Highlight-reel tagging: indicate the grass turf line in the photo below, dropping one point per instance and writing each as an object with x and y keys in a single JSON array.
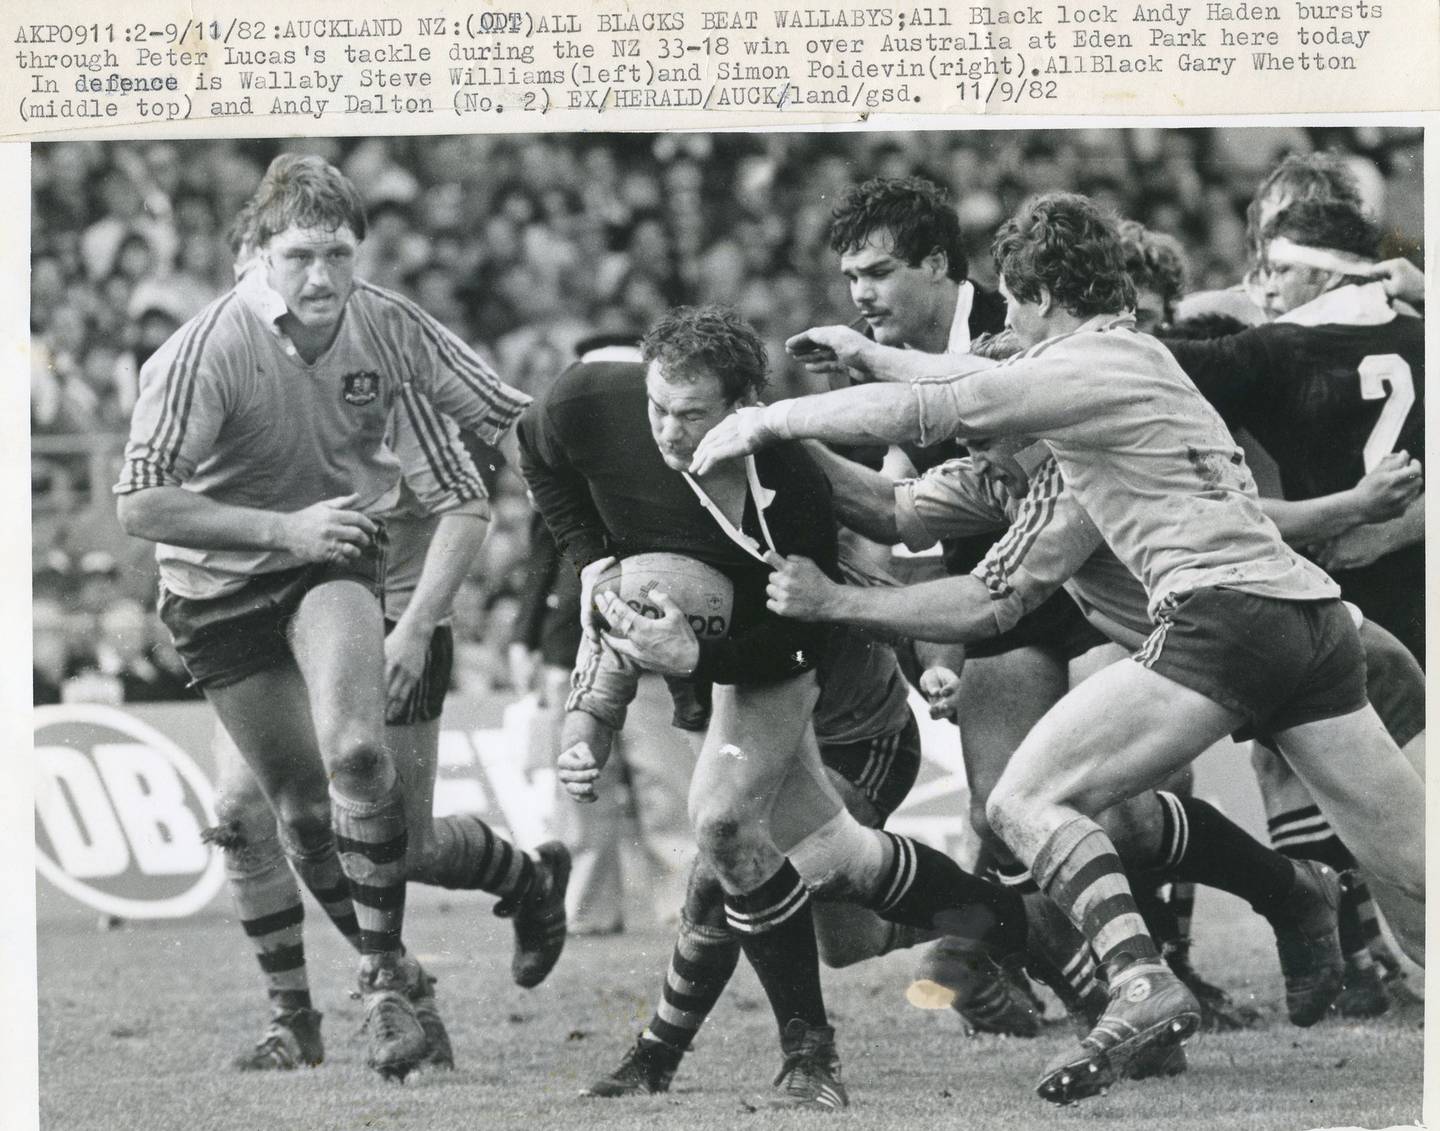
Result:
[{"x": 137, "y": 1027}]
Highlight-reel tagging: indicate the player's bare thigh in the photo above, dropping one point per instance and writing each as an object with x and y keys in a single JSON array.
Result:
[
  {"x": 337, "y": 638},
  {"x": 1001, "y": 698},
  {"x": 749, "y": 749},
  {"x": 267, "y": 716},
  {"x": 1117, "y": 734}
]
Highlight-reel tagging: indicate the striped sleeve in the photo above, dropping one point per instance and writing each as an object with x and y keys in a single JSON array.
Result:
[
  {"x": 450, "y": 374},
  {"x": 1050, "y": 538},
  {"x": 950, "y": 500},
  {"x": 433, "y": 459},
  {"x": 180, "y": 406}
]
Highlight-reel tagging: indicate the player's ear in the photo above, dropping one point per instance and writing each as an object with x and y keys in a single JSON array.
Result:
[
  {"x": 1045, "y": 302},
  {"x": 937, "y": 263}
]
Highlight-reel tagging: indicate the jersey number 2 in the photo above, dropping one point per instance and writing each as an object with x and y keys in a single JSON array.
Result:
[{"x": 1386, "y": 375}]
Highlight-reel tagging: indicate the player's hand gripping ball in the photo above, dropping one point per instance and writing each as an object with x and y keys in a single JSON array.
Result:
[{"x": 703, "y": 593}]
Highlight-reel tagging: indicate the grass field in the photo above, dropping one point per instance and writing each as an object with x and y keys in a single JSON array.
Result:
[{"x": 137, "y": 1024}]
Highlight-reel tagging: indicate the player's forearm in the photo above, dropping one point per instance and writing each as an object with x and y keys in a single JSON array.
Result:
[
  {"x": 1313, "y": 520},
  {"x": 950, "y": 610},
  {"x": 866, "y": 414},
  {"x": 900, "y": 366},
  {"x": 179, "y": 517},
  {"x": 1409, "y": 528},
  {"x": 457, "y": 540},
  {"x": 864, "y": 500}
]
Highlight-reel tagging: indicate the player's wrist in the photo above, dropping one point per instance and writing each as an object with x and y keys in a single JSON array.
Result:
[{"x": 775, "y": 421}]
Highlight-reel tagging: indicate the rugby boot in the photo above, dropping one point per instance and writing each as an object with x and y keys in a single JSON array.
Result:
[
  {"x": 963, "y": 975},
  {"x": 1158, "y": 1062},
  {"x": 539, "y": 916},
  {"x": 645, "y": 1070},
  {"x": 420, "y": 988},
  {"x": 1149, "y": 1012},
  {"x": 810, "y": 1073},
  {"x": 1220, "y": 1013},
  {"x": 1363, "y": 994},
  {"x": 1308, "y": 942},
  {"x": 397, "y": 1042},
  {"x": 291, "y": 1040}
]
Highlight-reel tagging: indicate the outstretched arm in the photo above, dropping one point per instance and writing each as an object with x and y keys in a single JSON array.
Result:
[{"x": 952, "y": 609}]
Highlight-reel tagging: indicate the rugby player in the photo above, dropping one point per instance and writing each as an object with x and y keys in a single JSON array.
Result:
[
  {"x": 435, "y": 532},
  {"x": 901, "y": 251},
  {"x": 759, "y": 793},
  {"x": 255, "y": 461},
  {"x": 1247, "y": 633},
  {"x": 1330, "y": 388}
]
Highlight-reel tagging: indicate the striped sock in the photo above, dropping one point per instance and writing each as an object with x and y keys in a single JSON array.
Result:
[
  {"x": 267, "y": 899},
  {"x": 1079, "y": 869},
  {"x": 925, "y": 888},
  {"x": 371, "y": 839},
  {"x": 778, "y": 937},
  {"x": 469, "y": 856},
  {"x": 1202, "y": 845},
  {"x": 703, "y": 961},
  {"x": 319, "y": 868}
]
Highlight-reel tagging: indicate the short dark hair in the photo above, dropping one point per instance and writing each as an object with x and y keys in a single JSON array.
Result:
[
  {"x": 1304, "y": 176},
  {"x": 303, "y": 190},
  {"x": 1156, "y": 261},
  {"x": 694, "y": 341},
  {"x": 1066, "y": 244},
  {"x": 1326, "y": 223},
  {"x": 914, "y": 212}
]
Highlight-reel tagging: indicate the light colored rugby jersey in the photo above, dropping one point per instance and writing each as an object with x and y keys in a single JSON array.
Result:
[
  {"x": 228, "y": 409},
  {"x": 1145, "y": 454},
  {"x": 1050, "y": 542},
  {"x": 437, "y": 476}
]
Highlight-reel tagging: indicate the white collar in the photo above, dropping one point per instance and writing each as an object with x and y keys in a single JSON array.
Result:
[
  {"x": 262, "y": 299},
  {"x": 960, "y": 325},
  {"x": 763, "y": 497},
  {"x": 1355, "y": 304}
]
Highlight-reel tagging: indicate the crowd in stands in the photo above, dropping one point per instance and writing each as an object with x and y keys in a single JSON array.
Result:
[{"x": 526, "y": 245}]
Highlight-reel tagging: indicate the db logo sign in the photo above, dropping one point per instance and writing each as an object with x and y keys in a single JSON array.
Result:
[{"x": 118, "y": 813}]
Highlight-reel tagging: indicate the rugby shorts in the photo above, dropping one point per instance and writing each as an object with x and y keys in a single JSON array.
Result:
[
  {"x": 603, "y": 685},
  {"x": 225, "y": 639},
  {"x": 884, "y": 768},
  {"x": 427, "y": 697},
  {"x": 1279, "y": 664}
]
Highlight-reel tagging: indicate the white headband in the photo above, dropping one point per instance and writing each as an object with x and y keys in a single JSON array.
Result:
[{"x": 1285, "y": 252}]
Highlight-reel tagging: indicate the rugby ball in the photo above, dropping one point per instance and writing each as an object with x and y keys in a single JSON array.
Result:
[{"x": 703, "y": 593}]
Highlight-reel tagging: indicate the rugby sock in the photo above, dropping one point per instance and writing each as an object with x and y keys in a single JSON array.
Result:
[
  {"x": 778, "y": 937},
  {"x": 1079, "y": 869},
  {"x": 924, "y": 888},
  {"x": 470, "y": 856},
  {"x": 267, "y": 899},
  {"x": 319, "y": 868},
  {"x": 703, "y": 961},
  {"x": 1202, "y": 845},
  {"x": 371, "y": 838}
]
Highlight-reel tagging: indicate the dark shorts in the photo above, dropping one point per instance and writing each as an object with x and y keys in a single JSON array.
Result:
[
  {"x": 884, "y": 769},
  {"x": 223, "y": 640},
  {"x": 1278, "y": 663},
  {"x": 427, "y": 698}
]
